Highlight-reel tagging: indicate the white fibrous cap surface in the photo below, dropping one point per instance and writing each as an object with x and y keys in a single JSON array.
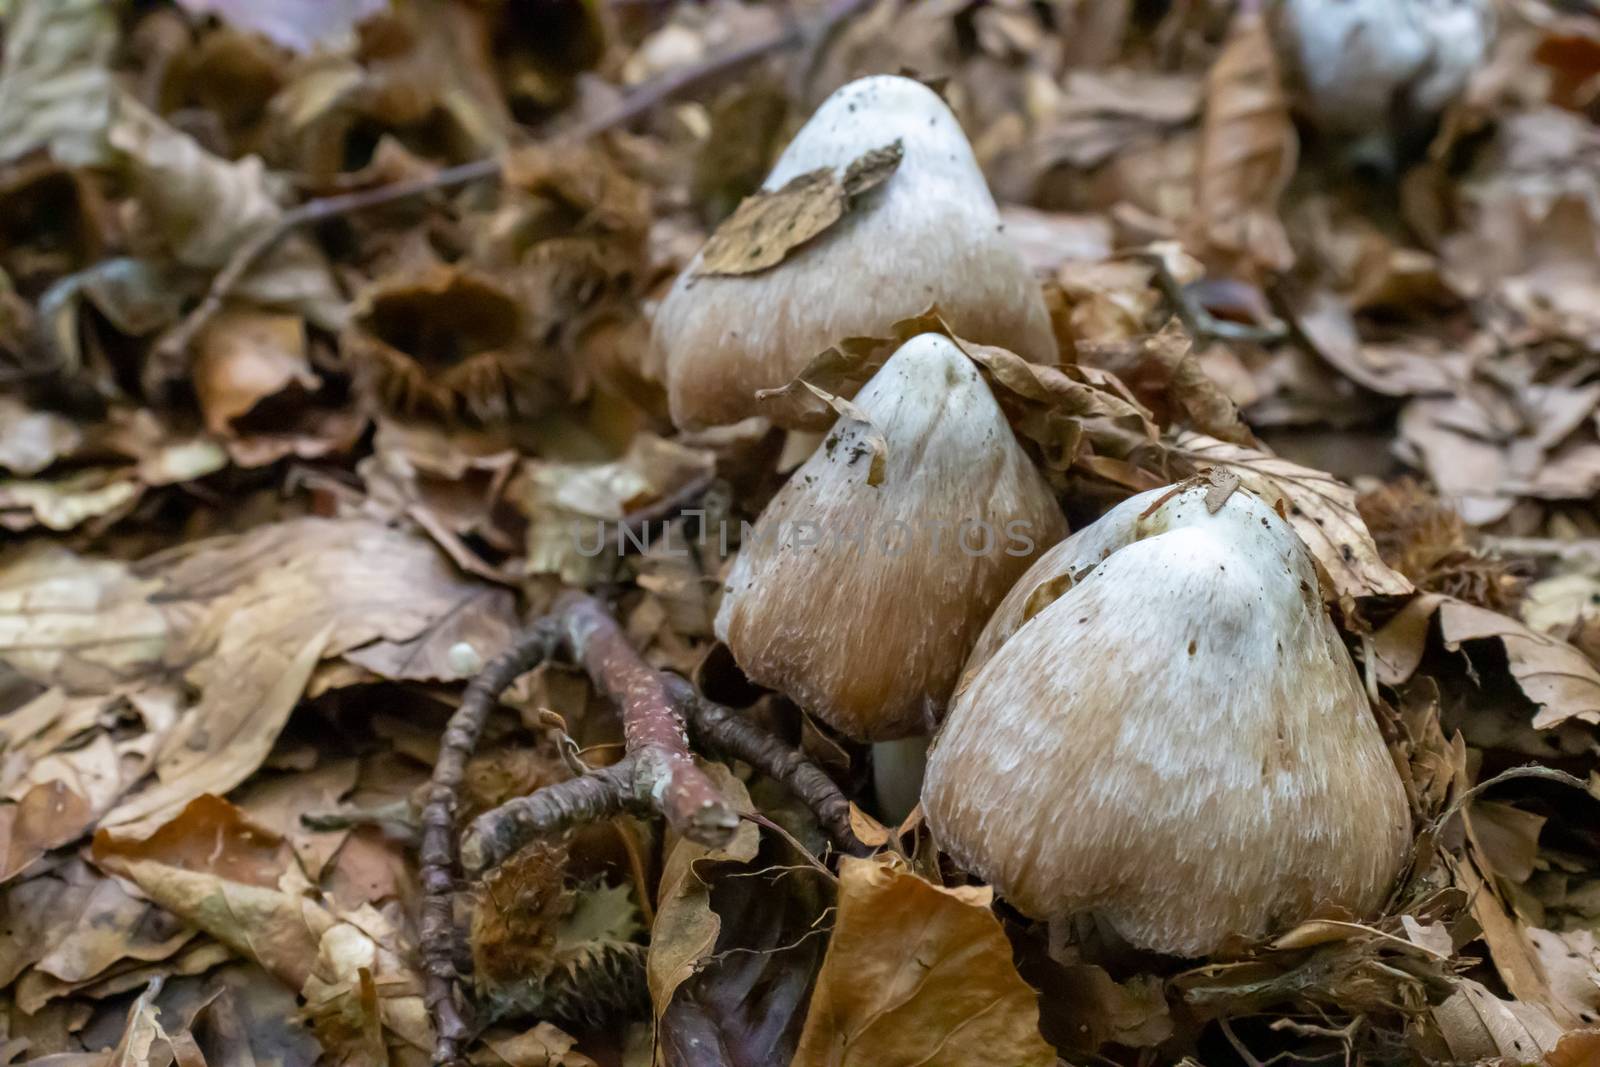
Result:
[
  {"x": 929, "y": 235},
  {"x": 871, "y": 638},
  {"x": 1163, "y": 726}
]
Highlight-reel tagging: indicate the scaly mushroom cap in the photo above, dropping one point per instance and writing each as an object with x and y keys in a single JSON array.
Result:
[
  {"x": 1177, "y": 740},
  {"x": 871, "y": 635},
  {"x": 930, "y": 234}
]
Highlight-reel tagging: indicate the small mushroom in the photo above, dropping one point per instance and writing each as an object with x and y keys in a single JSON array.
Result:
[
  {"x": 929, "y": 234},
  {"x": 1161, "y": 726},
  {"x": 861, "y": 601},
  {"x": 1378, "y": 73}
]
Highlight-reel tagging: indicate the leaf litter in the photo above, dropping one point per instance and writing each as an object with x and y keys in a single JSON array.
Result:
[{"x": 257, "y": 545}]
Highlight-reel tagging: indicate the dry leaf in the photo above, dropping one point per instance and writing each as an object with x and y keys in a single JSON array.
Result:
[
  {"x": 1321, "y": 509},
  {"x": 230, "y": 879},
  {"x": 768, "y": 226},
  {"x": 918, "y": 973},
  {"x": 1247, "y": 151},
  {"x": 56, "y": 87}
]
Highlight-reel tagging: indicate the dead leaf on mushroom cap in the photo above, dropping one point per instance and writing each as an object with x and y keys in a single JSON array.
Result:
[
  {"x": 1058, "y": 408},
  {"x": 768, "y": 226},
  {"x": 1321, "y": 509}
]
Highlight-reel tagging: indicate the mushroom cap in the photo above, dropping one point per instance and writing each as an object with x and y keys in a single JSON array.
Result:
[
  {"x": 1363, "y": 63},
  {"x": 871, "y": 635},
  {"x": 930, "y": 234},
  {"x": 1178, "y": 741}
]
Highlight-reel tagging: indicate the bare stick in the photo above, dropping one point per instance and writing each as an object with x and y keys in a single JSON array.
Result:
[
  {"x": 438, "y": 835},
  {"x": 496, "y": 834},
  {"x": 665, "y": 775},
  {"x": 725, "y": 730},
  {"x": 174, "y": 347}
]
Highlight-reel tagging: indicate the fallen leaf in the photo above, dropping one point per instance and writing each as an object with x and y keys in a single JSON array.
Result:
[
  {"x": 1552, "y": 674},
  {"x": 1321, "y": 509},
  {"x": 918, "y": 973},
  {"x": 1247, "y": 151},
  {"x": 56, "y": 86},
  {"x": 230, "y": 879},
  {"x": 205, "y": 207},
  {"x": 32, "y": 440},
  {"x": 769, "y": 225}
]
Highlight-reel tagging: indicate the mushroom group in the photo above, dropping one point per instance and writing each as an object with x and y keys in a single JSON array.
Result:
[{"x": 1155, "y": 720}]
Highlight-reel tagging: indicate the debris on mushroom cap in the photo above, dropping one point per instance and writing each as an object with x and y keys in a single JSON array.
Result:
[
  {"x": 929, "y": 234},
  {"x": 861, "y": 601},
  {"x": 1367, "y": 65},
  {"x": 1163, "y": 727}
]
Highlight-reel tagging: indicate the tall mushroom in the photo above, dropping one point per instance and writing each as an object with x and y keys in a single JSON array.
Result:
[
  {"x": 929, "y": 234},
  {"x": 1160, "y": 725},
  {"x": 860, "y": 601}
]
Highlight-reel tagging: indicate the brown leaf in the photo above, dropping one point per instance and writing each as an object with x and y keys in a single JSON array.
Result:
[
  {"x": 1477, "y": 1025},
  {"x": 686, "y": 927},
  {"x": 229, "y": 878},
  {"x": 1321, "y": 509},
  {"x": 1163, "y": 372},
  {"x": 1551, "y": 673},
  {"x": 918, "y": 973},
  {"x": 1247, "y": 151},
  {"x": 768, "y": 226},
  {"x": 255, "y": 614}
]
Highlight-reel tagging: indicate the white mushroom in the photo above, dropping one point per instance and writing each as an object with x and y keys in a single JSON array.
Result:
[
  {"x": 928, "y": 235},
  {"x": 862, "y": 601},
  {"x": 1161, "y": 725},
  {"x": 1375, "y": 71}
]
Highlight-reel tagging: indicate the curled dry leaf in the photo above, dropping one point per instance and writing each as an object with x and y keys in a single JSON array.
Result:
[
  {"x": 918, "y": 973},
  {"x": 1247, "y": 152},
  {"x": 1321, "y": 509},
  {"x": 203, "y": 207},
  {"x": 239, "y": 883},
  {"x": 574, "y": 510},
  {"x": 253, "y": 615},
  {"x": 1552, "y": 674},
  {"x": 768, "y": 226}
]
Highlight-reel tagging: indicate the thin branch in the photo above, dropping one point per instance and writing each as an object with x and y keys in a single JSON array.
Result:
[
  {"x": 173, "y": 348},
  {"x": 438, "y": 834},
  {"x": 497, "y": 834},
  {"x": 725, "y": 730},
  {"x": 1200, "y": 323},
  {"x": 665, "y": 775}
]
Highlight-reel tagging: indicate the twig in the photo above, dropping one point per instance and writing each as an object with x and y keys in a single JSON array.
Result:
[
  {"x": 171, "y": 351},
  {"x": 1582, "y": 550},
  {"x": 496, "y": 834},
  {"x": 438, "y": 834},
  {"x": 665, "y": 775},
  {"x": 725, "y": 730},
  {"x": 1196, "y": 319}
]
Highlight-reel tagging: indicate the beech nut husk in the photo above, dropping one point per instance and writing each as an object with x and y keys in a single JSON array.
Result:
[{"x": 1161, "y": 725}]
